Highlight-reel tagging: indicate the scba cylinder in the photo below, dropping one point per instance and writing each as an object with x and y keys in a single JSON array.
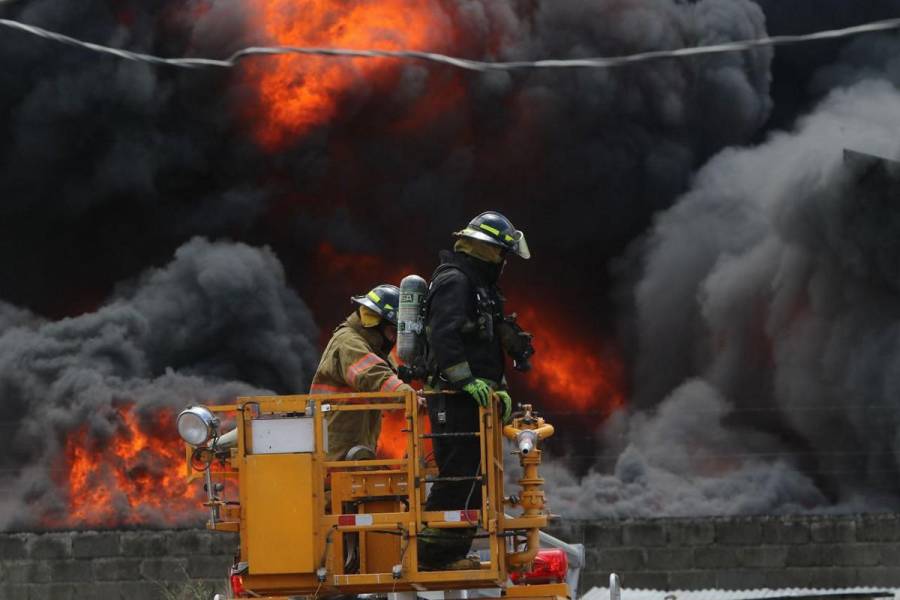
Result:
[{"x": 410, "y": 318}]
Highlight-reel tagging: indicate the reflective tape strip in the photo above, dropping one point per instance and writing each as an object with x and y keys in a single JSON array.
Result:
[
  {"x": 357, "y": 520},
  {"x": 487, "y": 227},
  {"x": 356, "y": 369},
  {"x": 373, "y": 296},
  {"x": 392, "y": 383},
  {"x": 455, "y": 516},
  {"x": 322, "y": 388},
  {"x": 458, "y": 372}
]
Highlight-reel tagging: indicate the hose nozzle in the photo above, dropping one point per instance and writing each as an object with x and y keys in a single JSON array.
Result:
[{"x": 526, "y": 440}]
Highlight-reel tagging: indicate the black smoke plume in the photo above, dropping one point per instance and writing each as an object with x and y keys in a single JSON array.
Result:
[{"x": 110, "y": 166}]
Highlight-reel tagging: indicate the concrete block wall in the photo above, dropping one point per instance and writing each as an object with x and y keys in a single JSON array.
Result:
[
  {"x": 740, "y": 553},
  {"x": 726, "y": 553},
  {"x": 115, "y": 565}
]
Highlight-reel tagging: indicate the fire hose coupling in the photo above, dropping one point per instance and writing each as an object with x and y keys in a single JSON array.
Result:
[
  {"x": 526, "y": 440},
  {"x": 527, "y": 430}
]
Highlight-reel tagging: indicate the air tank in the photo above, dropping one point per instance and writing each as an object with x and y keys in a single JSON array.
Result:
[{"x": 410, "y": 319}]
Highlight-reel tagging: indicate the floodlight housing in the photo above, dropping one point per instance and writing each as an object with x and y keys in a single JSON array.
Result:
[{"x": 196, "y": 425}]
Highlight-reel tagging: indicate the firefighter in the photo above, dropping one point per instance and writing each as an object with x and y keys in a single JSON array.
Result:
[
  {"x": 464, "y": 314},
  {"x": 356, "y": 359}
]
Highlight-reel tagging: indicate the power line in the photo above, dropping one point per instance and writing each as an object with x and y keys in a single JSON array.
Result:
[{"x": 461, "y": 63}]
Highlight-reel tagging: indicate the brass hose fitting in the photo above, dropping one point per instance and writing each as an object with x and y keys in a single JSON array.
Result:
[{"x": 526, "y": 431}]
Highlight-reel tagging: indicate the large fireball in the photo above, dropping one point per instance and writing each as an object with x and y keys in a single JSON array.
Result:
[{"x": 298, "y": 93}]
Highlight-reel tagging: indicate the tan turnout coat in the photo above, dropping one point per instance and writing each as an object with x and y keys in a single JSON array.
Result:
[{"x": 354, "y": 361}]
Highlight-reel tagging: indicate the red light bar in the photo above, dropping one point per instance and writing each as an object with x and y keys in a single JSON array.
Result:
[{"x": 550, "y": 566}]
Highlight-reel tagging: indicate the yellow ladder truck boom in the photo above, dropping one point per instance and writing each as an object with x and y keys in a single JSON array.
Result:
[{"x": 300, "y": 515}]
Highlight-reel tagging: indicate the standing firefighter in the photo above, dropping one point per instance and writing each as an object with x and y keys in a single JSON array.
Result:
[
  {"x": 467, "y": 334},
  {"x": 356, "y": 360}
]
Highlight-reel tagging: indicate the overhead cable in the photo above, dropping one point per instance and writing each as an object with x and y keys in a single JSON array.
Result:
[{"x": 462, "y": 63}]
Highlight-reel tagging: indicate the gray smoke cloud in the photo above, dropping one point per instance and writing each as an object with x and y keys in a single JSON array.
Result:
[
  {"x": 217, "y": 322},
  {"x": 13, "y": 316},
  {"x": 683, "y": 461},
  {"x": 768, "y": 323}
]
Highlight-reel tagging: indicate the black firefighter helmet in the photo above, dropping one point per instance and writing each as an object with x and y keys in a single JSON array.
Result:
[
  {"x": 383, "y": 299},
  {"x": 495, "y": 229}
]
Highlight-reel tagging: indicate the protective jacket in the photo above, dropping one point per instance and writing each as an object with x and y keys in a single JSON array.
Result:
[
  {"x": 463, "y": 305},
  {"x": 355, "y": 360}
]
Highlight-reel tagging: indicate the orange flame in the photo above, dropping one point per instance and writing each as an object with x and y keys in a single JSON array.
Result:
[
  {"x": 135, "y": 478},
  {"x": 298, "y": 93},
  {"x": 577, "y": 376},
  {"x": 392, "y": 441}
]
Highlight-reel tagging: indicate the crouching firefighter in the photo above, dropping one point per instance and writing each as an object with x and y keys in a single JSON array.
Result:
[
  {"x": 466, "y": 334},
  {"x": 356, "y": 360}
]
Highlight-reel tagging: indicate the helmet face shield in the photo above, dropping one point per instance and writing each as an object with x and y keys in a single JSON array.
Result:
[{"x": 520, "y": 246}]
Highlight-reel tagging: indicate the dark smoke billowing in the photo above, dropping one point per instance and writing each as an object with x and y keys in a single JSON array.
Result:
[
  {"x": 769, "y": 322},
  {"x": 795, "y": 67},
  {"x": 143, "y": 158},
  {"x": 217, "y": 316},
  {"x": 110, "y": 166}
]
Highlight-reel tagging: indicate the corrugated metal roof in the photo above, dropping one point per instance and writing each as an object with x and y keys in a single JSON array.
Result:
[{"x": 598, "y": 593}]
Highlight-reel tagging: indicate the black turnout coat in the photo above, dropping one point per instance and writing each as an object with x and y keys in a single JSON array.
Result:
[{"x": 459, "y": 350}]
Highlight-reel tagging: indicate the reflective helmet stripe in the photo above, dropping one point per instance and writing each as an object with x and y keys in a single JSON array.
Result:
[
  {"x": 382, "y": 299},
  {"x": 487, "y": 227}
]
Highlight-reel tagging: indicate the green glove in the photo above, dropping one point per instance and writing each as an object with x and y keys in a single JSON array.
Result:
[
  {"x": 480, "y": 390},
  {"x": 507, "y": 405}
]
